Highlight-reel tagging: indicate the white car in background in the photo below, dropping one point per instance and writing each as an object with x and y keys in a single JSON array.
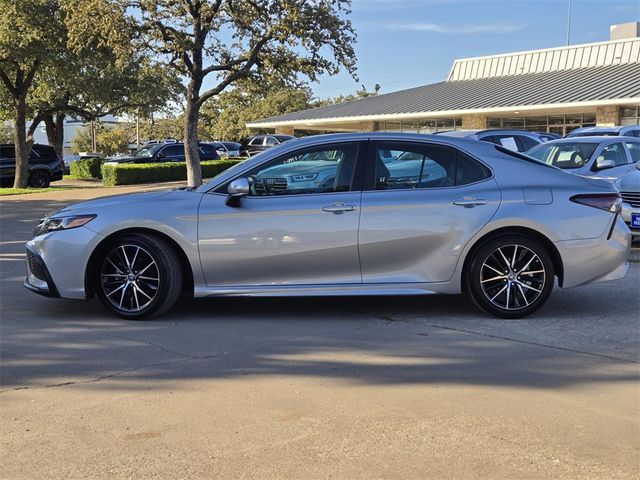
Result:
[
  {"x": 227, "y": 149},
  {"x": 629, "y": 187}
]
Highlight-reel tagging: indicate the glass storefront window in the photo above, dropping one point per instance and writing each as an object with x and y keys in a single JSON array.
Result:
[
  {"x": 513, "y": 122},
  {"x": 630, "y": 116}
]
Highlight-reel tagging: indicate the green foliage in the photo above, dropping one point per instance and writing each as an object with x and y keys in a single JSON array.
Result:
[
  {"x": 127, "y": 174},
  {"x": 6, "y": 133},
  {"x": 111, "y": 141},
  {"x": 225, "y": 117},
  {"x": 81, "y": 141},
  {"x": 161, "y": 128},
  {"x": 87, "y": 168}
]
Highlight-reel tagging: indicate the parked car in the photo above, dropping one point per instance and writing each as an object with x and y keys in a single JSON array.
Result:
[
  {"x": 624, "y": 131},
  {"x": 516, "y": 140},
  {"x": 45, "y": 166},
  {"x": 227, "y": 149},
  {"x": 259, "y": 143},
  {"x": 591, "y": 156},
  {"x": 165, "y": 152},
  {"x": 629, "y": 187},
  {"x": 548, "y": 136},
  {"x": 495, "y": 224},
  {"x": 68, "y": 160}
]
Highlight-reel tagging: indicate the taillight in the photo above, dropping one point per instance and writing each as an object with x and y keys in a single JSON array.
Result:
[{"x": 611, "y": 202}]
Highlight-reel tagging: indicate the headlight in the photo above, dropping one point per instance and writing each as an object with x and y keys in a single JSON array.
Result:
[
  {"x": 304, "y": 177},
  {"x": 52, "y": 224}
]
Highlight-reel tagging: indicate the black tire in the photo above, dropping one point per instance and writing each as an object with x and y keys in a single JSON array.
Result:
[
  {"x": 132, "y": 293},
  {"x": 39, "y": 179},
  {"x": 509, "y": 291}
]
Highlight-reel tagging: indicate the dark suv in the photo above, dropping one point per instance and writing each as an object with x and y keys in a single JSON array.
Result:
[
  {"x": 259, "y": 143},
  {"x": 165, "y": 152},
  {"x": 45, "y": 166}
]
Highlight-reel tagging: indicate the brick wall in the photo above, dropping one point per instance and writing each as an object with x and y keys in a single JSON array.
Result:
[
  {"x": 608, "y": 116},
  {"x": 474, "y": 122}
]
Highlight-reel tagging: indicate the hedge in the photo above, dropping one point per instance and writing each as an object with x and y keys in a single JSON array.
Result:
[
  {"x": 87, "y": 168},
  {"x": 127, "y": 174}
]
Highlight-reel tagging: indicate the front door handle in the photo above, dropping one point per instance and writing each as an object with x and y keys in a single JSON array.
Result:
[
  {"x": 339, "y": 208},
  {"x": 469, "y": 202}
]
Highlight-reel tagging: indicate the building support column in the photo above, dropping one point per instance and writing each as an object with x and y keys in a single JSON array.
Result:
[
  {"x": 285, "y": 130},
  {"x": 474, "y": 122},
  {"x": 608, "y": 116},
  {"x": 368, "y": 126}
]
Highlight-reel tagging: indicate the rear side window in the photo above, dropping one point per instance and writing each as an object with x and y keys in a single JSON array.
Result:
[
  {"x": 407, "y": 165},
  {"x": 507, "y": 141},
  {"x": 208, "y": 149},
  {"x": 527, "y": 142},
  {"x": 271, "y": 141}
]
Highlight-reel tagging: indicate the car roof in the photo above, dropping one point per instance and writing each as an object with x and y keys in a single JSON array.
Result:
[
  {"x": 598, "y": 129},
  {"x": 594, "y": 139}
]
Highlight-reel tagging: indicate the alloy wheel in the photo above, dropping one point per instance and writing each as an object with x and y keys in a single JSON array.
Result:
[
  {"x": 130, "y": 278},
  {"x": 512, "y": 277}
]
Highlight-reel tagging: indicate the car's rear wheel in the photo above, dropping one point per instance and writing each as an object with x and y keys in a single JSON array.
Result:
[
  {"x": 510, "y": 276},
  {"x": 139, "y": 276},
  {"x": 39, "y": 179}
]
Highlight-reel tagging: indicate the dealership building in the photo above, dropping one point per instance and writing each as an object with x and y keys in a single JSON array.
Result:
[{"x": 551, "y": 90}]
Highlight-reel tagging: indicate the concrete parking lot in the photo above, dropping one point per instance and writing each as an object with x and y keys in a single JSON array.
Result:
[{"x": 314, "y": 388}]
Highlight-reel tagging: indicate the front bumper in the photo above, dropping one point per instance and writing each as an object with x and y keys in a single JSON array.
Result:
[
  {"x": 64, "y": 256},
  {"x": 38, "y": 278},
  {"x": 598, "y": 259}
]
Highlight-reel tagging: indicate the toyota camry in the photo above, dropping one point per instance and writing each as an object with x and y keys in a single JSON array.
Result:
[{"x": 345, "y": 214}]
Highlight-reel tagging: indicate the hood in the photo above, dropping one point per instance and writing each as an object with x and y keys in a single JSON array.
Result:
[
  {"x": 94, "y": 206},
  {"x": 630, "y": 182}
]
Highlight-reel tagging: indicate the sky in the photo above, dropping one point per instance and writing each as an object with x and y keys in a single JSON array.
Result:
[{"x": 407, "y": 43}]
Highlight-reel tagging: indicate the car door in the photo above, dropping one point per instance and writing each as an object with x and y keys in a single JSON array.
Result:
[
  {"x": 298, "y": 226},
  {"x": 424, "y": 204},
  {"x": 256, "y": 145}
]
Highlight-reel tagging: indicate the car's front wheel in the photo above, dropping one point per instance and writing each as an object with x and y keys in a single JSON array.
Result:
[
  {"x": 510, "y": 276},
  {"x": 139, "y": 276}
]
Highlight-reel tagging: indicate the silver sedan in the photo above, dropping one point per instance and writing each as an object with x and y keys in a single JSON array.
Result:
[{"x": 348, "y": 214}]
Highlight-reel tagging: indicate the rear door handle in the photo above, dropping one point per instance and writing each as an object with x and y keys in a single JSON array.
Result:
[
  {"x": 470, "y": 202},
  {"x": 339, "y": 208}
]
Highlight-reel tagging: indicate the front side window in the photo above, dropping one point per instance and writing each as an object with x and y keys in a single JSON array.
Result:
[
  {"x": 257, "y": 140},
  {"x": 173, "y": 151},
  {"x": 329, "y": 168},
  {"x": 208, "y": 149},
  {"x": 407, "y": 165},
  {"x": 614, "y": 152},
  {"x": 565, "y": 155}
]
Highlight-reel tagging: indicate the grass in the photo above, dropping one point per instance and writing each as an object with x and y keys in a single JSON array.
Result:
[{"x": 4, "y": 191}]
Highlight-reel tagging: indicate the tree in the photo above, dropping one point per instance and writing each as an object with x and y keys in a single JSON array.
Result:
[
  {"x": 229, "y": 40},
  {"x": 54, "y": 63},
  {"x": 31, "y": 37}
]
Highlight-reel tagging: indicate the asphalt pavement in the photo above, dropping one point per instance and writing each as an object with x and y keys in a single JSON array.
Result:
[{"x": 381, "y": 387}]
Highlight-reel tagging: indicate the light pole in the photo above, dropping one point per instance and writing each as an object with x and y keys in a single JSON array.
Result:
[{"x": 569, "y": 25}]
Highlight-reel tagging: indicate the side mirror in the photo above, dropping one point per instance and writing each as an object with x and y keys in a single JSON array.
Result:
[
  {"x": 237, "y": 189},
  {"x": 160, "y": 155},
  {"x": 602, "y": 164}
]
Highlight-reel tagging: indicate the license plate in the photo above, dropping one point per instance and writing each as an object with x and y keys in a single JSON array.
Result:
[{"x": 635, "y": 220}]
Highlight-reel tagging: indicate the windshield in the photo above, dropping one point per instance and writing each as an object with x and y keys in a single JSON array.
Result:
[
  {"x": 565, "y": 155},
  {"x": 149, "y": 151}
]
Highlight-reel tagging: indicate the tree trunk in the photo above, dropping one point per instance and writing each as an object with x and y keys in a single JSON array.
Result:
[
  {"x": 192, "y": 155},
  {"x": 55, "y": 131},
  {"x": 23, "y": 148}
]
